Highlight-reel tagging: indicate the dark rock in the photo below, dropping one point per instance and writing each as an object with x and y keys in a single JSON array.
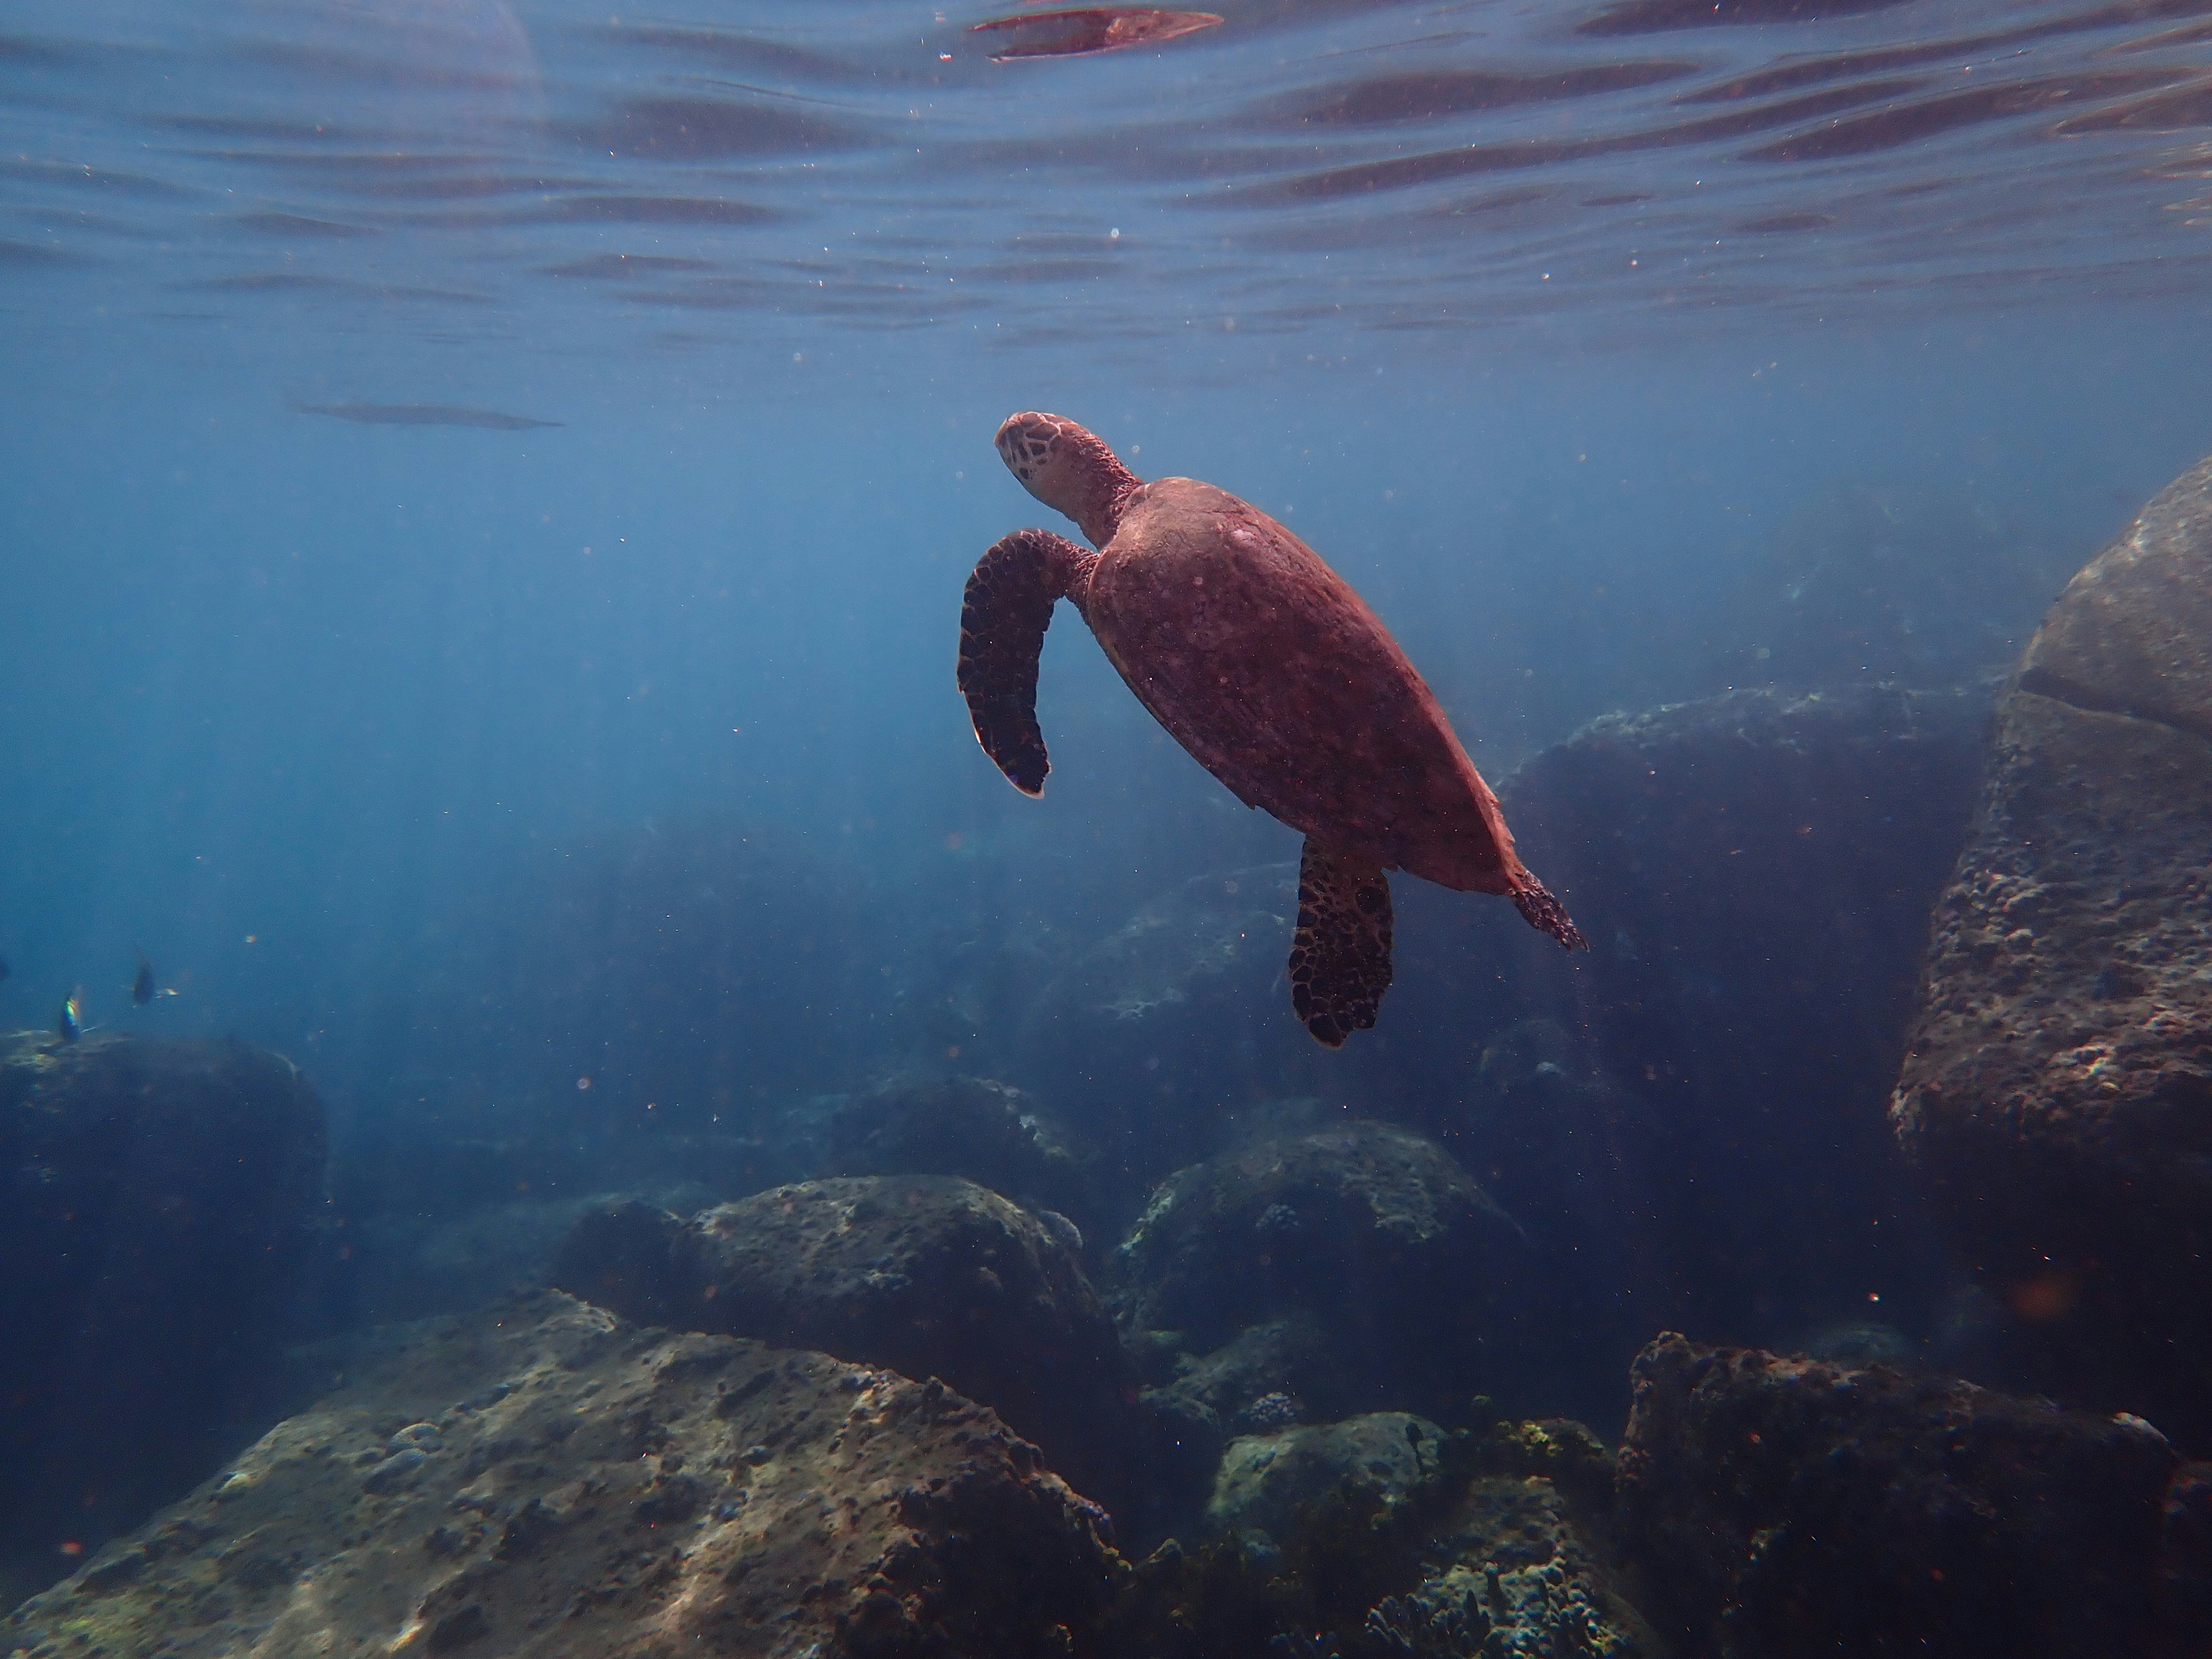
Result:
[
  {"x": 1688, "y": 1120},
  {"x": 1859, "y": 1343},
  {"x": 1266, "y": 1479},
  {"x": 601, "y": 1507},
  {"x": 978, "y": 1128},
  {"x": 1693, "y": 1113},
  {"x": 1372, "y": 1232},
  {"x": 433, "y": 1226},
  {"x": 1180, "y": 1009},
  {"x": 2186, "y": 1557},
  {"x": 2057, "y": 1096},
  {"x": 160, "y": 1198},
  {"x": 1786, "y": 1507},
  {"x": 1522, "y": 1564},
  {"x": 1269, "y": 1375},
  {"x": 1296, "y": 1358},
  {"x": 629, "y": 1255},
  {"x": 929, "y": 1275},
  {"x": 1385, "y": 1537}
]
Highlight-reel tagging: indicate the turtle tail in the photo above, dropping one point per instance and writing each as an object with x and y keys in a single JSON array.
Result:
[
  {"x": 1545, "y": 914},
  {"x": 1003, "y": 618}
]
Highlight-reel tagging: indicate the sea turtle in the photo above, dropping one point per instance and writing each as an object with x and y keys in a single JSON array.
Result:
[{"x": 1263, "y": 663}]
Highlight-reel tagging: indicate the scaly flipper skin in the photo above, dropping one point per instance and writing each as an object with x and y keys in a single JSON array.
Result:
[
  {"x": 1545, "y": 914},
  {"x": 1003, "y": 618},
  {"x": 1340, "y": 955}
]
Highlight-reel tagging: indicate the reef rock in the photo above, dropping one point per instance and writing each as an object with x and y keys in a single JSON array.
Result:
[
  {"x": 1517, "y": 1567},
  {"x": 2057, "y": 1094},
  {"x": 978, "y": 1128},
  {"x": 1786, "y": 1507},
  {"x": 1755, "y": 871},
  {"x": 929, "y": 1275},
  {"x": 1267, "y": 1377},
  {"x": 1384, "y": 1535},
  {"x": 1370, "y": 1230},
  {"x": 542, "y": 1480},
  {"x": 160, "y": 1198},
  {"x": 1266, "y": 1479}
]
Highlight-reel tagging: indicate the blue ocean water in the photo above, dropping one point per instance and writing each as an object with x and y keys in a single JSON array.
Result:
[{"x": 485, "y": 491}]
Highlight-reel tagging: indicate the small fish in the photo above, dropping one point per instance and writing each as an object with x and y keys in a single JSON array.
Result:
[
  {"x": 491, "y": 420},
  {"x": 1086, "y": 30},
  {"x": 142, "y": 986},
  {"x": 69, "y": 1025}
]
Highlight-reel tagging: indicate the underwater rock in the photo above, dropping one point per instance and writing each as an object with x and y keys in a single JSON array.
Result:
[
  {"x": 1179, "y": 1008},
  {"x": 978, "y": 1128},
  {"x": 1522, "y": 1570},
  {"x": 2057, "y": 1093},
  {"x": 1783, "y": 1507},
  {"x": 1861, "y": 1342},
  {"x": 1269, "y": 1375},
  {"x": 435, "y": 1227},
  {"x": 1695, "y": 1112},
  {"x": 631, "y": 1256},
  {"x": 1266, "y": 1479},
  {"x": 160, "y": 1199},
  {"x": 1371, "y": 1231},
  {"x": 590, "y": 1489},
  {"x": 1293, "y": 1362},
  {"x": 1383, "y": 1537},
  {"x": 929, "y": 1275}
]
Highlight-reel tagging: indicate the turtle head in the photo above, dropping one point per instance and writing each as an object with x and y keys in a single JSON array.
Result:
[{"x": 1069, "y": 470}]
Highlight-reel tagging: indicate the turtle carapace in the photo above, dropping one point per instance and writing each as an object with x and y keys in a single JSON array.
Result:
[{"x": 1262, "y": 662}]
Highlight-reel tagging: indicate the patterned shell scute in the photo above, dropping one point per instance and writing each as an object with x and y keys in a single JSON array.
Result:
[{"x": 1265, "y": 664}]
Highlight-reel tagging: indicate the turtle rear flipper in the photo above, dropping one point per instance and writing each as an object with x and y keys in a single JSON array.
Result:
[
  {"x": 1003, "y": 617},
  {"x": 1340, "y": 955},
  {"x": 1545, "y": 914}
]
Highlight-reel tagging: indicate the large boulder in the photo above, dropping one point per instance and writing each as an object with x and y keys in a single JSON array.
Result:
[
  {"x": 2057, "y": 1092},
  {"x": 542, "y": 1480},
  {"x": 160, "y": 1199},
  {"x": 1371, "y": 1231},
  {"x": 929, "y": 1275},
  {"x": 1697, "y": 1106},
  {"x": 1786, "y": 1507}
]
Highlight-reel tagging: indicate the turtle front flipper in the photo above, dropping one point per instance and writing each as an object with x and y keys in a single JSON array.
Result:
[
  {"x": 1003, "y": 617},
  {"x": 1341, "y": 954}
]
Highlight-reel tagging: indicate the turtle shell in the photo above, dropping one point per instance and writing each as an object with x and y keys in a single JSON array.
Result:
[{"x": 1263, "y": 663}]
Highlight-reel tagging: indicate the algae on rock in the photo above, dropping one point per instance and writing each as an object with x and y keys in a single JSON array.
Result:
[
  {"x": 542, "y": 1479},
  {"x": 2056, "y": 1094}
]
